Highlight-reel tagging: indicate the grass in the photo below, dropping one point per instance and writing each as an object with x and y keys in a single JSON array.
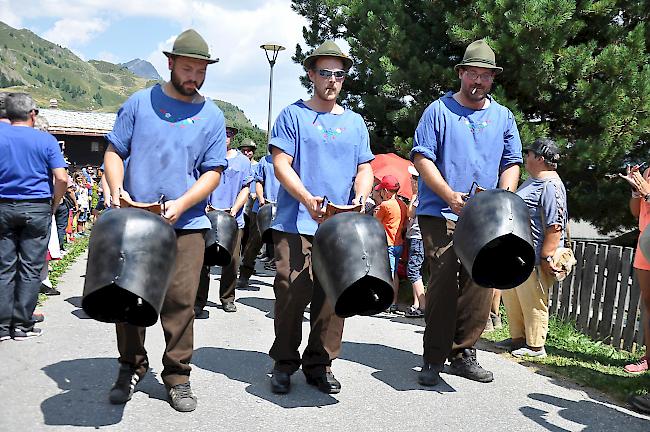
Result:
[
  {"x": 577, "y": 357},
  {"x": 58, "y": 267}
]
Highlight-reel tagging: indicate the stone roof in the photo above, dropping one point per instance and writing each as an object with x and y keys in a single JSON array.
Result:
[{"x": 78, "y": 123}]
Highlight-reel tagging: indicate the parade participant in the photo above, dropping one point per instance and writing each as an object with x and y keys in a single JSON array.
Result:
[
  {"x": 640, "y": 209},
  {"x": 267, "y": 186},
  {"x": 175, "y": 141},
  {"x": 392, "y": 214},
  {"x": 463, "y": 137},
  {"x": 231, "y": 195},
  {"x": 319, "y": 149},
  {"x": 247, "y": 147},
  {"x": 527, "y": 304},
  {"x": 30, "y": 160}
]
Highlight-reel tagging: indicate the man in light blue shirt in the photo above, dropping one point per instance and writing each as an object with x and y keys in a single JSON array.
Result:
[
  {"x": 319, "y": 149},
  {"x": 462, "y": 138}
]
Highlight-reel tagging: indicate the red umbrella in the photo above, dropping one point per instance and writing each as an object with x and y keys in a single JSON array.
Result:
[{"x": 390, "y": 163}]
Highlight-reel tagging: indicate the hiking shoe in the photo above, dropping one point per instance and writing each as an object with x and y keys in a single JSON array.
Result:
[
  {"x": 20, "y": 335},
  {"x": 181, "y": 397},
  {"x": 229, "y": 307},
  {"x": 527, "y": 352},
  {"x": 638, "y": 367},
  {"x": 4, "y": 335},
  {"x": 640, "y": 403},
  {"x": 414, "y": 312},
  {"x": 124, "y": 386},
  {"x": 49, "y": 291},
  {"x": 496, "y": 321},
  {"x": 429, "y": 375},
  {"x": 466, "y": 366},
  {"x": 509, "y": 344}
]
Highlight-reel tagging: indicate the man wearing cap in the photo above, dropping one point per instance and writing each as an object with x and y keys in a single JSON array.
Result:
[
  {"x": 175, "y": 140},
  {"x": 319, "y": 149},
  {"x": 392, "y": 214},
  {"x": 463, "y": 137},
  {"x": 230, "y": 195},
  {"x": 30, "y": 160}
]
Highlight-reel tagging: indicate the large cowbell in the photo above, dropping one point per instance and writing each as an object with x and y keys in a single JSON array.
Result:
[
  {"x": 350, "y": 260},
  {"x": 493, "y": 239},
  {"x": 131, "y": 258},
  {"x": 644, "y": 243},
  {"x": 221, "y": 239},
  {"x": 265, "y": 216}
]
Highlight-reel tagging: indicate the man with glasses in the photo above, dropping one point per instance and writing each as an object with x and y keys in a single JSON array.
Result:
[
  {"x": 319, "y": 149},
  {"x": 463, "y": 137},
  {"x": 30, "y": 159}
]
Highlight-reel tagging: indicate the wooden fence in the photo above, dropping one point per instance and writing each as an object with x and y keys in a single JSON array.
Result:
[{"x": 601, "y": 295}]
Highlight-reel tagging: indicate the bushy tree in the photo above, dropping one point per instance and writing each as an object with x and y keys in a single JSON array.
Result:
[{"x": 577, "y": 71}]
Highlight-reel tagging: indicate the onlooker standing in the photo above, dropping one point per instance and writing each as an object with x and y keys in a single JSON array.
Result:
[
  {"x": 3, "y": 111},
  {"x": 527, "y": 305},
  {"x": 392, "y": 214},
  {"x": 30, "y": 159},
  {"x": 640, "y": 208},
  {"x": 462, "y": 138},
  {"x": 83, "y": 201},
  {"x": 415, "y": 251}
]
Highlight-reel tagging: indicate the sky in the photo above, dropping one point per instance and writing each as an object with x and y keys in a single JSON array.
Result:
[{"x": 122, "y": 30}]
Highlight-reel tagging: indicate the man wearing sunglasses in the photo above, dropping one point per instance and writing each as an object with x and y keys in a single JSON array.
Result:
[
  {"x": 319, "y": 149},
  {"x": 462, "y": 138}
]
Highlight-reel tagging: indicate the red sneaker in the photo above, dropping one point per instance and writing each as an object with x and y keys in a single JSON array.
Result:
[{"x": 638, "y": 367}]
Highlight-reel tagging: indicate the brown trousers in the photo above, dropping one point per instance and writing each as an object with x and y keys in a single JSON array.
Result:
[
  {"x": 295, "y": 286},
  {"x": 228, "y": 281},
  {"x": 176, "y": 316},
  {"x": 457, "y": 308},
  {"x": 251, "y": 250}
]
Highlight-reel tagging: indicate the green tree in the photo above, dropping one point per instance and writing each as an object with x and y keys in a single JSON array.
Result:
[{"x": 575, "y": 70}]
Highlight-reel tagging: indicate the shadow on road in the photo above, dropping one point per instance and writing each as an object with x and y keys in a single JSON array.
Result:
[
  {"x": 395, "y": 366},
  {"x": 263, "y": 304},
  {"x": 582, "y": 413},
  {"x": 85, "y": 384},
  {"x": 252, "y": 367}
]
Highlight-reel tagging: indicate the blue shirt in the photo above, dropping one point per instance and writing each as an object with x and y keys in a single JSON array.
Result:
[
  {"x": 326, "y": 149},
  {"x": 28, "y": 158},
  {"x": 547, "y": 196},
  {"x": 237, "y": 176},
  {"x": 265, "y": 174},
  {"x": 169, "y": 143},
  {"x": 466, "y": 146}
]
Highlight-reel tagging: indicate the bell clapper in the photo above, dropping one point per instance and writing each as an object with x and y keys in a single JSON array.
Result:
[{"x": 139, "y": 301}]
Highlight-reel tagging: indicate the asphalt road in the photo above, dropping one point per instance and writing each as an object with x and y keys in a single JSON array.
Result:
[{"x": 60, "y": 381}]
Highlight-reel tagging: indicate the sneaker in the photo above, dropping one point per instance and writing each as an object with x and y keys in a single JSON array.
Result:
[
  {"x": 413, "y": 312},
  {"x": 124, "y": 386},
  {"x": 181, "y": 397},
  {"x": 509, "y": 344},
  {"x": 49, "y": 291},
  {"x": 496, "y": 321},
  {"x": 229, "y": 307},
  {"x": 527, "y": 352},
  {"x": 466, "y": 366},
  {"x": 19, "y": 335},
  {"x": 638, "y": 367}
]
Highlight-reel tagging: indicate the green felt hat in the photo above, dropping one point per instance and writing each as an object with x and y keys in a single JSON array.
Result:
[
  {"x": 479, "y": 54},
  {"x": 327, "y": 49},
  {"x": 191, "y": 44}
]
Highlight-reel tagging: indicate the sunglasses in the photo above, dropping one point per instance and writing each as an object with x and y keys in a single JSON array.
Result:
[{"x": 326, "y": 73}]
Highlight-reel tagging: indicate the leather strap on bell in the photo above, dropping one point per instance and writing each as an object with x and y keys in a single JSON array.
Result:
[
  {"x": 155, "y": 207},
  {"x": 333, "y": 209}
]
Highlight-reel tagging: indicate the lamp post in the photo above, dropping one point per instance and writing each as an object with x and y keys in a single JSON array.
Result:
[{"x": 271, "y": 50}]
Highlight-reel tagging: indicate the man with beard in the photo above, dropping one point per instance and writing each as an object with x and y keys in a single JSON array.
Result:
[
  {"x": 175, "y": 141},
  {"x": 309, "y": 137},
  {"x": 462, "y": 138}
]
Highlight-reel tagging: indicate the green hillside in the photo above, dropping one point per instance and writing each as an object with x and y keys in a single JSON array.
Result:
[{"x": 31, "y": 64}]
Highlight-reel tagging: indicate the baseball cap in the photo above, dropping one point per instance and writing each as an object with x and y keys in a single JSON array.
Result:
[
  {"x": 546, "y": 148},
  {"x": 388, "y": 182}
]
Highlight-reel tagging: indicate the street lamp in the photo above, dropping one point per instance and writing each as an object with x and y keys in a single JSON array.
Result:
[{"x": 271, "y": 50}]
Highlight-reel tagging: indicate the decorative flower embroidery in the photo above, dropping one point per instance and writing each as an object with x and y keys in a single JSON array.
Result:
[{"x": 328, "y": 133}]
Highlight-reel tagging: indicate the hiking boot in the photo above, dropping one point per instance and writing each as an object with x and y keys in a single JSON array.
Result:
[
  {"x": 229, "y": 307},
  {"x": 181, "y": 397},
  {"x": 496, "y": 321},
  {"x": 280, "y": 382},
  {"x": 466, "y": 366},
  {"x": 124, "y": 386},
  {"x": 638, "y": 367},
  {"x": 19, "y": 335},
  {"x": 527, "y": 352},
  {"x": 429, "y": 375},
  {"x": 509, "y": 344}
]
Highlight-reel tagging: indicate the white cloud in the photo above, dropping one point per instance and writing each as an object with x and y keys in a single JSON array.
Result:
[{"x": 71, "y": 32}]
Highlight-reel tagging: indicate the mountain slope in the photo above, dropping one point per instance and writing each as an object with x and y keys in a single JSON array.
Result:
[{"x": 143, "y": 69}]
